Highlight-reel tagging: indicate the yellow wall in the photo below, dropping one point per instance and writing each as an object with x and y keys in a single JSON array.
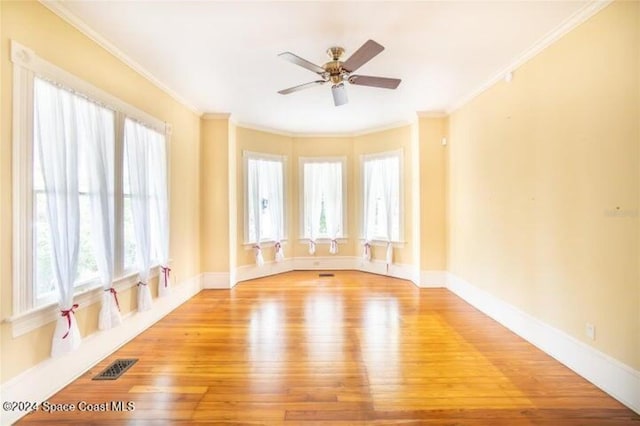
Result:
[
  {"x": 544, "y": 177},
  {"x": 214, "y": 197},
  {"x": 36, "y": 27},
  {"x": 433, "y": 186}
]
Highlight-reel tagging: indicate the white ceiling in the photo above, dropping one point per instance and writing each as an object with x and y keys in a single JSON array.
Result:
[{"x": 221, "y": 57}]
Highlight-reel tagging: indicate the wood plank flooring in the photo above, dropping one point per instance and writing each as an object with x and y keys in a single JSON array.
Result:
[{"x": 351, "y": 349}]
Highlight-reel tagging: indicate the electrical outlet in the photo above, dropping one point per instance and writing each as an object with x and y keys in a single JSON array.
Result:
[{"x": 590, "y": 331}]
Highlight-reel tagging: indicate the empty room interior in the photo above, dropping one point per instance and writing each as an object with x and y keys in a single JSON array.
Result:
[{"x": 320, "y": 212}]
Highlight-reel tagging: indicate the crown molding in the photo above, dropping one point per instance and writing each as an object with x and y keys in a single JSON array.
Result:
[
  {"x": 432, "y": 114},
  {"x": 215, "y": 116},
  {"x": 586, "y": 12},
  {"x": 384, "y": 128},
  {"x": 58, "y": 8},
  {"x": 264, "y": 129},
  {"x": 258, "y": 128}
]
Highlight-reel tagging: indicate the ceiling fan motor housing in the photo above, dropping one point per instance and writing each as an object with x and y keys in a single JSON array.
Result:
[{"x": 334, "y": 67}]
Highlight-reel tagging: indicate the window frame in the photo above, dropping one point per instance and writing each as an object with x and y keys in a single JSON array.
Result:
[
  {"x": 80, "y": 285},
  {"x": 399, "y": 153},
  {"x": 121, "y": 265},
  {"x": 252, "y": 155},
  {"x": 27, "y": 315},
  {"x": 334, "y": 159}
]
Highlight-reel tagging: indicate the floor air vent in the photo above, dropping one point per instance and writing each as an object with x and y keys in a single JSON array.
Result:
[
  {"x": 116, "y": 369},
  {"x": 326, "y": 275}
]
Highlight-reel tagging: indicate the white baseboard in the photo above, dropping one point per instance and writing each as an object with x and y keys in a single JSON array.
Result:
[
  {"x": 328, "y": 263},
  {"x": 433, "y": 279},
  {"x": 395, "y": 270},
  {"x": 615, "y": 378},
  {"x": 48, "y": 377},
  {"x": 319, "y": 263},
  {"x": 250, "y": 272},
  {"x": 216, "y": 280}
]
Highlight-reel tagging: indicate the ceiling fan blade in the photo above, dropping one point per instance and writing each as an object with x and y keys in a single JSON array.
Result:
[
  {"x": 302, "y": 62},
  {"x": 367, "y": 80},
  {"x": 301, "y": 87},
  {"x": 363, "y": 55},
  {"x": 339, "y": 94}
]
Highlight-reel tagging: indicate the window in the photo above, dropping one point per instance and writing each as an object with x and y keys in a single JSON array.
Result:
[
  {"x": 129, "y": 238},
  {"x": 62, "y": 128},
  {"x": 381, "y": 177},
  {"x": 264, "y": 198},
  {"x": 323, "y": 197},
  {"x": 142, "y": 146},
  {"x": 61, "y": 113}
]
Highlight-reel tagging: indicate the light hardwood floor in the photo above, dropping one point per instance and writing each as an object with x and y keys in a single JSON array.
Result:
[{"x": 352, "y": 349}]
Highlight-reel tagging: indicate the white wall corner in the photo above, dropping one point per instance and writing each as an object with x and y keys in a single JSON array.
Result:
[
  {"x": 233, "y": 278},
  {"x": 250, "y": 272},
  {"x": 395, "y": 270},
  {"x": 59, "y": 372},
  {"x": 416, "y": 275},
  {"x": 433, "y": 279},
  {"x": 402, "y": 271},
  {"x": 216, "y": 280},
  {"x": 373, "y": 266},
  {"x": 619, "y": 380}
]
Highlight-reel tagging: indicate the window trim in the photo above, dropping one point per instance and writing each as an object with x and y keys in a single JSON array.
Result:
[
  {"x": 401, "y": 208},
  {"x": 42, "y": 315},
  {"x": 250, "y": 155},
  {"x": 334, "y": 159},
  {"x": 27, "y": 65}
]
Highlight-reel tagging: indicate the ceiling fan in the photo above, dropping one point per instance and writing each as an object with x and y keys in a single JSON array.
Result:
[{"x": 337, "y": 72}]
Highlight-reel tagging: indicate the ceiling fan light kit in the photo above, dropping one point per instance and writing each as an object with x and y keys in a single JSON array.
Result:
[{"x": 337, "y": 72}]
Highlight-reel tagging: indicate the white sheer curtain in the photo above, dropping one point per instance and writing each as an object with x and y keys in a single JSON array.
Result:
[
  {"x": 97, "y": 133},
  {"x": 274, "y": 175},
  {"x": 254, "y": 207},
  {"x": 56, "y": 140},
  {"x": 332, "y": 182},
  {"x": 369, "y": 209},
  {"x": 265, "y": 204},
  {"x": 160, "y": 208},
  {"x": 137, "y": 142},
  {"x": 389, "y": 176},
  {"x": 312, "y": 202},
  {"x": 381, "y": 203}
]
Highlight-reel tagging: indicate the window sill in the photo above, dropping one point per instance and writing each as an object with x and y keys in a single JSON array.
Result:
[
  {"x": 383, "y": 243},
  {"x": 326, "y": 240},
  {"x": 28, "y": 321},
  {"x": 263, "y": 244}
]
